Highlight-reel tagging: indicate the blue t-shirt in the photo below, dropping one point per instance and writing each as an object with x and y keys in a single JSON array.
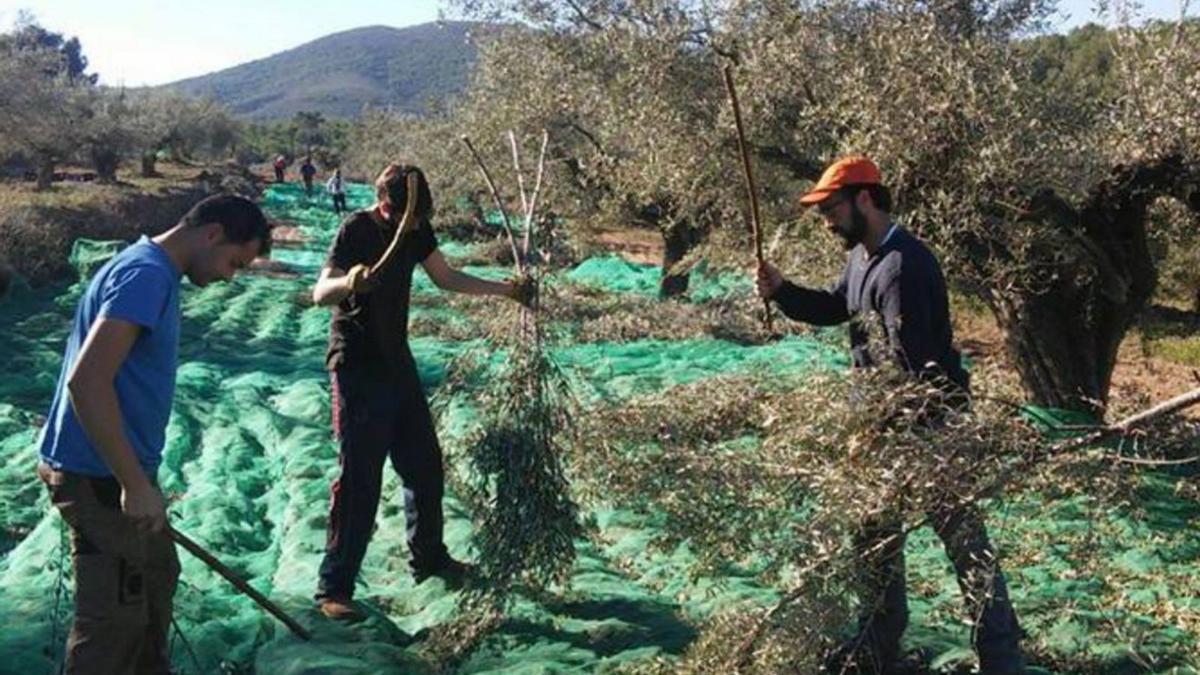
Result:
[{"x": 139, "y": 285}]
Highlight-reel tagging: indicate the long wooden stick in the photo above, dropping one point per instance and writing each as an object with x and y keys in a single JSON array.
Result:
[
  {"x": 487, "y": 177},
  {"x": 516, "y": 153},
  {"x": 537, "y": 186},
  {"x": 238, "y": 583},
  {"x": 411, "y": 186},
  {"x": 755, "y": 223}
]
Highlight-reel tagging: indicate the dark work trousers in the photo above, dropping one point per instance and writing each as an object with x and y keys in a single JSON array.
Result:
[
  {"x": 339, "y": 202},
  {"x": 996, "y": 635},
  {"x": 124, "y": 580},
  {"x": 375, "y": 417},
  {"x": 307, "y": 185}
]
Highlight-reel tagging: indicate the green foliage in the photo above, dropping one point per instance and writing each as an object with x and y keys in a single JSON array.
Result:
[
  {"x": 29, "y": 36},
  {"x": 44, "y": 98},
  {"x": 327, "y": 140},
  {"x": 1031, "y": 186}
]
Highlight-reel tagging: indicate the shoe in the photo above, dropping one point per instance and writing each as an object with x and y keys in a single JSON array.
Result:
[
  {"x": 453, "y": 572},
  {"x": 340, "y": 608}
]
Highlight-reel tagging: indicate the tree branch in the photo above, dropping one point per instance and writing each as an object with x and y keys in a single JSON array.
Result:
[{"x": 582, "y": 17}]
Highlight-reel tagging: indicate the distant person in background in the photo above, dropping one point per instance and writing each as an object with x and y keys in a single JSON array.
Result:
[
  {"x": 379, "y": 407},
  {"x": 307, "y": 171},
  {"x": 104, "y": 436},
  {"x": 337, "y": 188},
  {"x": 280, "y": 164}
]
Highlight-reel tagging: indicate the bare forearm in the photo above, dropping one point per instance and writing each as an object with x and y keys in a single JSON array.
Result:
[
  {"x": 460, "y": 282},
  {"x": 99, "y": 414},
  {"x": 330, "y": 291}
]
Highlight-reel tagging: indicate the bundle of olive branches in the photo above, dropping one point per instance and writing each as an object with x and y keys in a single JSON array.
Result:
[
  {"x": 515, "y": 483},
  {"x": 777, "y": 475}
]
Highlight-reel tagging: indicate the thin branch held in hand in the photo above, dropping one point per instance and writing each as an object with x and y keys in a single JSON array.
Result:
[{"x": 487, "y": 177}]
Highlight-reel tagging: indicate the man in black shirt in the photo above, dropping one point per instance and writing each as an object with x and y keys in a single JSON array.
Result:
[
  {"x": 307, "y": 171},
  {"x": 379, "y": 408},
  {"x": 892, "y": 274}
]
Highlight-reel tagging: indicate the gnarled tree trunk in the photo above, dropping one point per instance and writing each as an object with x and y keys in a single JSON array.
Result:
[
  {"x": 45, "y": 173},
  {"x": 1064, "y": 338},
  {"x": 105, "y": 163},
  {"x": 678, "y": 240},
  {"x": 148, "y": 167}
]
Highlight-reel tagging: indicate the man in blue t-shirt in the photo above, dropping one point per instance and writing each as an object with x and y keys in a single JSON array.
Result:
[{"x": 103, "y": 441}]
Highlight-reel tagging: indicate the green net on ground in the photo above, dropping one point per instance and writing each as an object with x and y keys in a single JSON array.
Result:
[
  {"x": 617, "y": 275},
  {"x": 250, "y": 458}
]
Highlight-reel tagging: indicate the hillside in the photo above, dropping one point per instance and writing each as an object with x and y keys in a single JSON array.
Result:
[{"x": 340, "y": 73}]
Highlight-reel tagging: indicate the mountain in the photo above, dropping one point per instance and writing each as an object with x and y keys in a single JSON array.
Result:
[{"x": 338, "y": 74}]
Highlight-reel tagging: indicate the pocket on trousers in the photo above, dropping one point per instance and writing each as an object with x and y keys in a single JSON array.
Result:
[{"x": 98, "y": 583}]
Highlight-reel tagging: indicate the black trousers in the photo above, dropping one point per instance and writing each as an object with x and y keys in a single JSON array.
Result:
[
  {"x": 884, "y": 614},
  {"x": 339, "y": 202},
  {"x": 378, "y": 417}
]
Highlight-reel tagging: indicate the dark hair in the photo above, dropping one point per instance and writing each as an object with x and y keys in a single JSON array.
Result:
[
  {"x": 240, "y": 219},
  {"x": 392, "y": 187},
  {"x": 881, "y": 197}
]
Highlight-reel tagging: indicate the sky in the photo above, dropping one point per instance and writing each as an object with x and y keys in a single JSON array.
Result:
[
  {"x": 145, "y": 42},
  {"x": 137, "y": 42}
]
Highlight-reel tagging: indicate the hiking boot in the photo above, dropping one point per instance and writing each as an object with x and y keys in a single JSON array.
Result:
[
  {"x": 453, "y": 572},
  {"x": 340, "y": 608}
]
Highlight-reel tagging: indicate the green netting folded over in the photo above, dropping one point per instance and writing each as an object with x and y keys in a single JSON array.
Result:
[
  {"x": 88, "y": 255},
  {"x": 250, "y": 458}
]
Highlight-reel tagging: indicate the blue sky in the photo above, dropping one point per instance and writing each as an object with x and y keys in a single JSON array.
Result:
[
  {"x": 154, "y": 41},
  {"x": 137, "y": 42}
]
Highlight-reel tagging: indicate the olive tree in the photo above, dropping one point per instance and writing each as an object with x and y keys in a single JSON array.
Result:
[
  {"x": 631, "y": 96},
  {"x": 1038, "y": 202},
  {"x": 41, "y": 108},
  {"x": 1036, "y": 197},
  {"x": 109, "y": 136},
  {"x": 185, "y": 127}
]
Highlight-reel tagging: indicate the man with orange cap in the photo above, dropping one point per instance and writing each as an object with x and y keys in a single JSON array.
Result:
[{"x": 892, "y": 274}]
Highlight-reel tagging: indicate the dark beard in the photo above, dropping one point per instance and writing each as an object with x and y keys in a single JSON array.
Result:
[{"x": 852, "y": 234}]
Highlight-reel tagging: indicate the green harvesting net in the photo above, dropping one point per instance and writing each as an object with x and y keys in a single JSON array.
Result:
[{"x": 250, "y": 458}]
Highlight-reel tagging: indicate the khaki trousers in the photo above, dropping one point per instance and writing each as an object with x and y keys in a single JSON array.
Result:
[{"x": 124, "y": 580}]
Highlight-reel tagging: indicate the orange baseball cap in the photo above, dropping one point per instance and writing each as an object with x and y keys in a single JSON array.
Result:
[{"x": 852, "y": 170}]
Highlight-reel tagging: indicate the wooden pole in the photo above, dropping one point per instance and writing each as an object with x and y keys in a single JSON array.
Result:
[
  {"x": 487, "y": 177},
  {"x": 238, "y": 583},
  {"x": 537, "y": 186},
  {"x": 755, "y": 223}
]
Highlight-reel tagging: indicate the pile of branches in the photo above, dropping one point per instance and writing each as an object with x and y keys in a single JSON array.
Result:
[{"x": 777, "y": 475}]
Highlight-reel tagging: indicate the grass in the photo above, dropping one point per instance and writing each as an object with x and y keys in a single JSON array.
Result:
[{"x": 1170, "y": 333}]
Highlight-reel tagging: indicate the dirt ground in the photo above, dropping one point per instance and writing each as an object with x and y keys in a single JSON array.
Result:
[{"x": 644, "y": 247}]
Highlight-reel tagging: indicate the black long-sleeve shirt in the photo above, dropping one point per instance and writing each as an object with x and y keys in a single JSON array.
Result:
[{"x": 903, "y": 284}]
